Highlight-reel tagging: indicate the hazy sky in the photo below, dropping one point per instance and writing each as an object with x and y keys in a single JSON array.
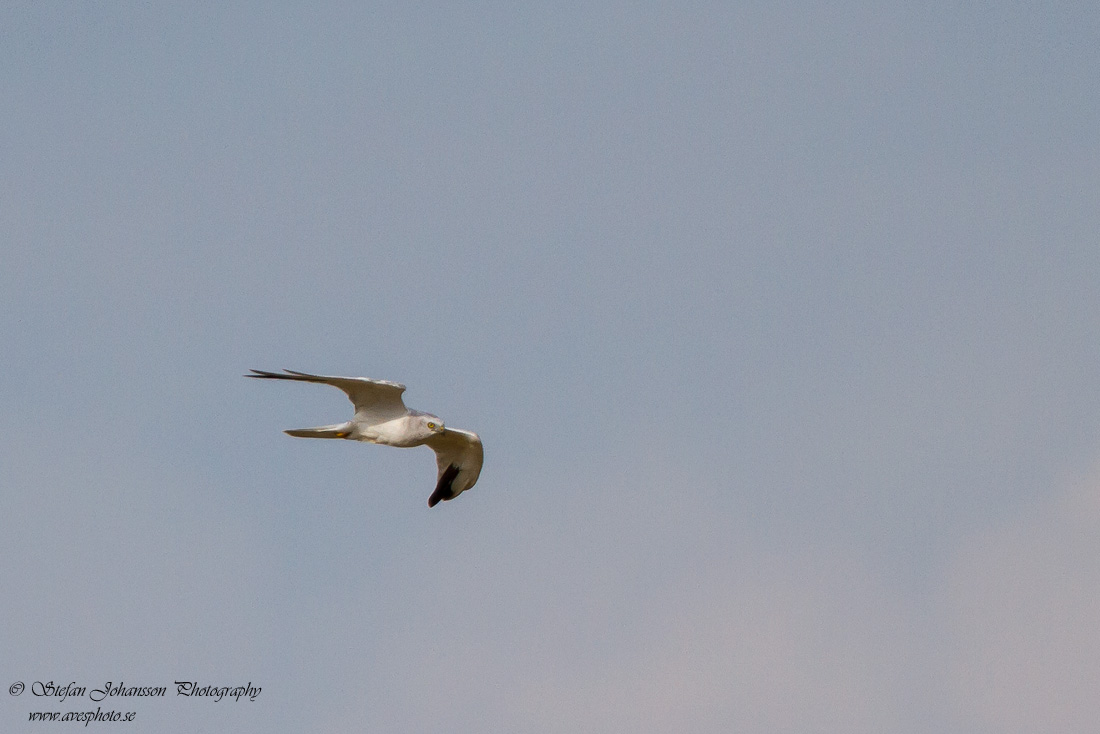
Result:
[{"x": 779, "y": 322}]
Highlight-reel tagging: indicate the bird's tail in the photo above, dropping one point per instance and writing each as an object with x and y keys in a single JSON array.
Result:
[{"x": 338, "y": 430}]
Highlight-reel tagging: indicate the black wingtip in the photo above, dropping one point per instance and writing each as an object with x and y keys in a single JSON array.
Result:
[
  {"x": 291, "y": 375},
  {"x": 443, "y": 489}
]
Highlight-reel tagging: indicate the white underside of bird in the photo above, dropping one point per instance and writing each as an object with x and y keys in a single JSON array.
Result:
[{"x": 381, "y": 417}]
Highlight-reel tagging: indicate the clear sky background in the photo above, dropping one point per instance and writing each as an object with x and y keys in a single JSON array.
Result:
[{"x": 779, "y": 322}]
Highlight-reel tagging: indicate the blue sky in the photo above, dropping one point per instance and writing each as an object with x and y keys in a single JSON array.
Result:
[{"x": 778, "y": 321}]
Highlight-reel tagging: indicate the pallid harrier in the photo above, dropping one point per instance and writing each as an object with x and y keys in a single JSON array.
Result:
[{"x": 381, "y": 417}]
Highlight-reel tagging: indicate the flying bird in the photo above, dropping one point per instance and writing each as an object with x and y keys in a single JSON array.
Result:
[{"x": 381, "y": 417}]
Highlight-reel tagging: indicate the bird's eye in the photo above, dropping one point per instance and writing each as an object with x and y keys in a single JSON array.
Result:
[{"x": 431, "y": 425}]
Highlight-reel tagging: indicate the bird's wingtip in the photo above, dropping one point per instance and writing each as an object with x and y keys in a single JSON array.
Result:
[{"x": 276, "y": 375}]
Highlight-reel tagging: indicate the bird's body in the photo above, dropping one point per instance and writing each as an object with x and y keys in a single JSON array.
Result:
[
  {"x": 381, "y": 417},
  {"x": 401, "y": 432}
]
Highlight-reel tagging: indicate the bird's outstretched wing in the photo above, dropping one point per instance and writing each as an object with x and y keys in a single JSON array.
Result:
[
  {"x": 458, "y": 455},
  {"x": 374, "y": 400}
]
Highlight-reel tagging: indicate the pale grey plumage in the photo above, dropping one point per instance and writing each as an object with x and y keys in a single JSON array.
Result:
[{"x": 381, "y": 417}]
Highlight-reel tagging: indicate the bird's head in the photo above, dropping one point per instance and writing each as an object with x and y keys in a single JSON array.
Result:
[{"x": 433, "y": 423}]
